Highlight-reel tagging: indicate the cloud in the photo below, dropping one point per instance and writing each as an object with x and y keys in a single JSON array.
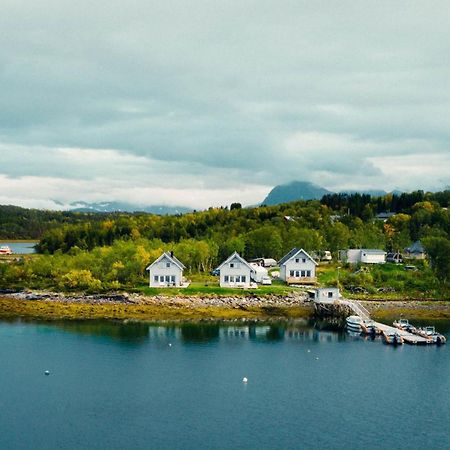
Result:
[{"x": 214, "y": 97}]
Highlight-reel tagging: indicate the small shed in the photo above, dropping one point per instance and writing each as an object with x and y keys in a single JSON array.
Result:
[
  {"x": 324, "y": 295},
  {"x": 365, "y": 255}
]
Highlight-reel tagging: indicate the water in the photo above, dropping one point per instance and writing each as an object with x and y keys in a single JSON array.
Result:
[
  {"x": 117, "y": 386},
  {"x": 20, "y": 248}
]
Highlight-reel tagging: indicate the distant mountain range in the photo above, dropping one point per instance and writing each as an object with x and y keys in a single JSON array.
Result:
[
  {"x": 304, "y": 190},
  {"x": 105, "y": 207}
]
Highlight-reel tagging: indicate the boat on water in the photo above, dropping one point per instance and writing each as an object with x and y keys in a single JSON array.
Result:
[
  {"x": 403, "y": 324},
  {"x": 360, "y": 325},
  {"x": 393, "y": 338},
  {"x": 5, "y": 250},
  {"x": 432, "y": 335}
]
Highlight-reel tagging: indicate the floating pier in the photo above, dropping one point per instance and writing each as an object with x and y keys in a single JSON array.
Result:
[{"x": 333, "y": 305}]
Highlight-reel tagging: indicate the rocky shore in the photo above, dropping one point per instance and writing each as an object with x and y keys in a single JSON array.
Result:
[{"x": 293, "y": 299}]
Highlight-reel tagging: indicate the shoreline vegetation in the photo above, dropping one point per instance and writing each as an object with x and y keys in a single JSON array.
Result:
[{"x": 50, "y": 306}]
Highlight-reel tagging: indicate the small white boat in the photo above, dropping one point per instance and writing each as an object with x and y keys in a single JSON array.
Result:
[
  {"x": 356, "y": 323},
  {"x": 5, "y": 250},
  {"x": 393, "y": 338},
  {"x": 431, "y": 334},
  {"x": 403, "y": 324}
]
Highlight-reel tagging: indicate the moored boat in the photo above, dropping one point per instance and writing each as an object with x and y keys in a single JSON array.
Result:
[
  {"x": 393, "y": 338},
  {"x": 403, "y": 324},
  {"x": 353, "y": 323},
  {"x": 5, "y": 250},
  {"x": 431, "y": 334}
]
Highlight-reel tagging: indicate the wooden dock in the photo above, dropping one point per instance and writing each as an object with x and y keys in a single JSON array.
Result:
[
  {"x": 409, "y": 338},
  {"x": 358, "y": 309}
]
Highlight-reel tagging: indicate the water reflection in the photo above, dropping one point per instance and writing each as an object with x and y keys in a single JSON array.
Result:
[{"x": 137, "y": 333}]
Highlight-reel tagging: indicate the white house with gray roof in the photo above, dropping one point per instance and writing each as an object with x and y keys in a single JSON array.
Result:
[
  {"x": 298, "y": 267},
  {"x": 166, "y": 271},
  {"x": 236, "y": 272}
]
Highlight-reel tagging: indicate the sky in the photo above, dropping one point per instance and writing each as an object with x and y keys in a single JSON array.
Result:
[{"x": 203, "y": 103}]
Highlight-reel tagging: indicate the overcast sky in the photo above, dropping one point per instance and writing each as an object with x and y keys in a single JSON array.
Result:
[{"x": 201, "y": 103}]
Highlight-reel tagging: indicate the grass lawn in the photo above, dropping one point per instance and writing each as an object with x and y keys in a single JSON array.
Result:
[{"x": 210, "y": 286}]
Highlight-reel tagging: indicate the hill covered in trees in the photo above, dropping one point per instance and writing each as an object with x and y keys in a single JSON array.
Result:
[{"x": 112, "y": 250}]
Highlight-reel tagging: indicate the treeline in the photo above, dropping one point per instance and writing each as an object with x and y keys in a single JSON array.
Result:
[
  {"x": 22, "y": 223},
  {"x": 367, "y": 207}
]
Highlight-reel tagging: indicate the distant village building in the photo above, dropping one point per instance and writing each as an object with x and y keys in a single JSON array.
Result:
[
  {"x": 384, "y": 216},
  {"x": 298, "y": 267},
  {"x": 236, "y": 272},
  {"x": 166, "y": 271},
  {"x": 364, "y": 255},
  {"x": 415, "y": 251},
  {"x": 394, "y": 257}
]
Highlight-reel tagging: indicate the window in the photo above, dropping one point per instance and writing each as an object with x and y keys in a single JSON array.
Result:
[
  {"x": 303, "y": 273},
  {"x": 297, "y": 273},
  {"x": 231, "y": 278},
  {"x": 303, "y": 260},
  {"x": 238, "y": 278},
  {"x": 308, "y": 273},
  {"x": 167, "y": 278},
  {"x": 172, "y": 278},
  {"x": 161, "y": 278},
  {"x": 291, "y": 273},
  {"x": 232, "y": 265},
  {"x": 330, "y": 294},
  {"x": 167, "y": 264},
  {"x": 297, "y": 260},
  {"x": 156, "y": 278},
  {"x": 226, "y": 278},
  {"x": 243, "y": 278}
]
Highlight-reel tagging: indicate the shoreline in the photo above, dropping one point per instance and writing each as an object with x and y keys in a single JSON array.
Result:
[{"x": 124, "y": 306}]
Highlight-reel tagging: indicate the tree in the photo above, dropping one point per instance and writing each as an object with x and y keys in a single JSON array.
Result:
[{"x": 438, "y": 249}]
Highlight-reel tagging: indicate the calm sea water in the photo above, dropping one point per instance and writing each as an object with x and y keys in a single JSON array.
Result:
[
  {"x": 134, "y": 386},
  {"x": 21, "y": 248}
]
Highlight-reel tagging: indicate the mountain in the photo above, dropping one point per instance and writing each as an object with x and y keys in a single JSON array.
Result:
[
  {"x": 102, "y": 207},
  {"x": 303, "y": 190},
  {"x": 296, "y": 190}
]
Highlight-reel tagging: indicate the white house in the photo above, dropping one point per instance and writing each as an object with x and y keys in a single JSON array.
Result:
[
  {"x": 236, "y": 272},
  {"x": 365, "y": 255},
  {"x": 166, "y": 271},
  {"x": 297, "y": 267},
  {"x": 325, "y": 295},
  {"x": 415, "y": 251}
]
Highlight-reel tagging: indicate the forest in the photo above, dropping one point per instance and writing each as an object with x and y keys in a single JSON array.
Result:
[{"x": 110, "y": 251}]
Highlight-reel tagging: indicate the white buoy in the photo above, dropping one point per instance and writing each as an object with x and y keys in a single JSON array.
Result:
[
  {"x": 309, "y": 351},
  {"x": 170, "y": 345},
  {"x": 317, "y": 357},
  {"x": 245, "y": 380},
  {"x": 47, "y": 372}
]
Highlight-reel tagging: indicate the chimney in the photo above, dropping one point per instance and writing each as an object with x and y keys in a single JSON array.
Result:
[{"x": 171, "y": 254}]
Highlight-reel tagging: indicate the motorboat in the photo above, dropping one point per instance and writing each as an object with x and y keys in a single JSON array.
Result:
[
  {"x": 431, "y": 334},
  {"x": 393, "y": 338},
  {"x": 353, "y": 323},
  {"x": 5, "y": 250},
  {"x": 403, "y": 324}
]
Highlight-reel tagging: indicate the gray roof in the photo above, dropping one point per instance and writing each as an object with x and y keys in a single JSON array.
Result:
[
  {"x": 292, "y": 253},
  {"x": 240, "y": 258},
  {"x": 417, "y": 247},
  {"x": 171, "y": 257}
]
